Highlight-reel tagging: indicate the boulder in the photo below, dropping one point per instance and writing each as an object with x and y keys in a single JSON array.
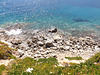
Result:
[
  {"x": 40, "y": 43},
  {"x": 28, "y": 42},
  {"x": 34, "y": 40},
  {"x": 54, "y": 30},
  {"x": 49, "y": 43},
  {"x": 67, "y": 47},
  {"x": 57, "y": 37}
]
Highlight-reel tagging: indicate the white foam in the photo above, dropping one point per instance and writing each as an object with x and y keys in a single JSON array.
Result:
[{"x": 14, "y": 32}]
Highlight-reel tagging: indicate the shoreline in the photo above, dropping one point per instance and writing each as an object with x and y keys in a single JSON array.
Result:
[
  {"x": 48, "y": 43},
  {"x": 72, "y": 31}
]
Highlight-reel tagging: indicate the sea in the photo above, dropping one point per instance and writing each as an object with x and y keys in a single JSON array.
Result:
[{"x": 76, "y": 17}]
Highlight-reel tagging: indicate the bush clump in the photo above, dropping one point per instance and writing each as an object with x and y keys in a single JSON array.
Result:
[
  {"x": 5, "y": 51},
  {"x": 95, "y": 58}
]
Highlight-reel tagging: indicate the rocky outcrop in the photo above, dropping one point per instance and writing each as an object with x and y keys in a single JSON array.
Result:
[{"x": 49, "y": 43}]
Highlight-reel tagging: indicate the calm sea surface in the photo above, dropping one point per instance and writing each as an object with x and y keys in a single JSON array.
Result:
[{"x": 73, "y": 16}]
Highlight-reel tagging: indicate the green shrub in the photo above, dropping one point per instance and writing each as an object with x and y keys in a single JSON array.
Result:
[
  {"x": 2, "y": 67},
  {"x": 95, "y": 58},
  {"x": 74, "y": 58},
  {"x": 5, "y": 51}
]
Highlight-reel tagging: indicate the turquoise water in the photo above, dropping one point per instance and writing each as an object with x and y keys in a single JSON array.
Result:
[{"x": 68, "y": 15}]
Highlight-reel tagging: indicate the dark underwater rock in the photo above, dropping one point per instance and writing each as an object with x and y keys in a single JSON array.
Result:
[{"x": 80, "y": 20}]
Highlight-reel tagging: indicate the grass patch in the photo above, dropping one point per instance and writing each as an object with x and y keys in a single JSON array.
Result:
[
  {"x": 41, "y": 66},
  {"x": 74, "y": 58},
  {"x": 47, "y": 67},
  {"x": 5, "y": 51}
]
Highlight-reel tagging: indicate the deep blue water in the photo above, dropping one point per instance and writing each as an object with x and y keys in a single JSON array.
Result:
[{"x": 68, "y": 15}]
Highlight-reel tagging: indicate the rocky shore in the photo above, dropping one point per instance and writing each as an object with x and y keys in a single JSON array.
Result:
[{"x": 45, "y": 43}]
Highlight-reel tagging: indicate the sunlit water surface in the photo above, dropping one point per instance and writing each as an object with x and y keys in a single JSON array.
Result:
[{"x": 73, "y": 16}]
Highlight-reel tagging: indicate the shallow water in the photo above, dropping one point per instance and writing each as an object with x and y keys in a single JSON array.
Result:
[{"x": 68, "y": 15}]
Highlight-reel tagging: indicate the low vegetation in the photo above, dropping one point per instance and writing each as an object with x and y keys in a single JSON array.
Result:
[
  {"x": 5, "y": 51},
  {"x": 49, "y": 67},
  {"x": 2, "y": 67},
  {"x": 95, "y": 58},
  {"x": 74, "y": 58}
]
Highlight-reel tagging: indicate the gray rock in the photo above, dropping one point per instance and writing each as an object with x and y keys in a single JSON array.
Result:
[
  {"x": 28, "y": 42},
  {"x": 34, "y": 40},
  {"x": 54, "y": 30},
  {"x": 18, "y": 53},
  {"x": 67, "y": 47},
  {"x": 40, "y": 43},
  {"x": 54, "y": 48},
  {"x": 49, "y": 43},
  {"x": 57, "y": 37},
  {"x": 16, "y": 42}
]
